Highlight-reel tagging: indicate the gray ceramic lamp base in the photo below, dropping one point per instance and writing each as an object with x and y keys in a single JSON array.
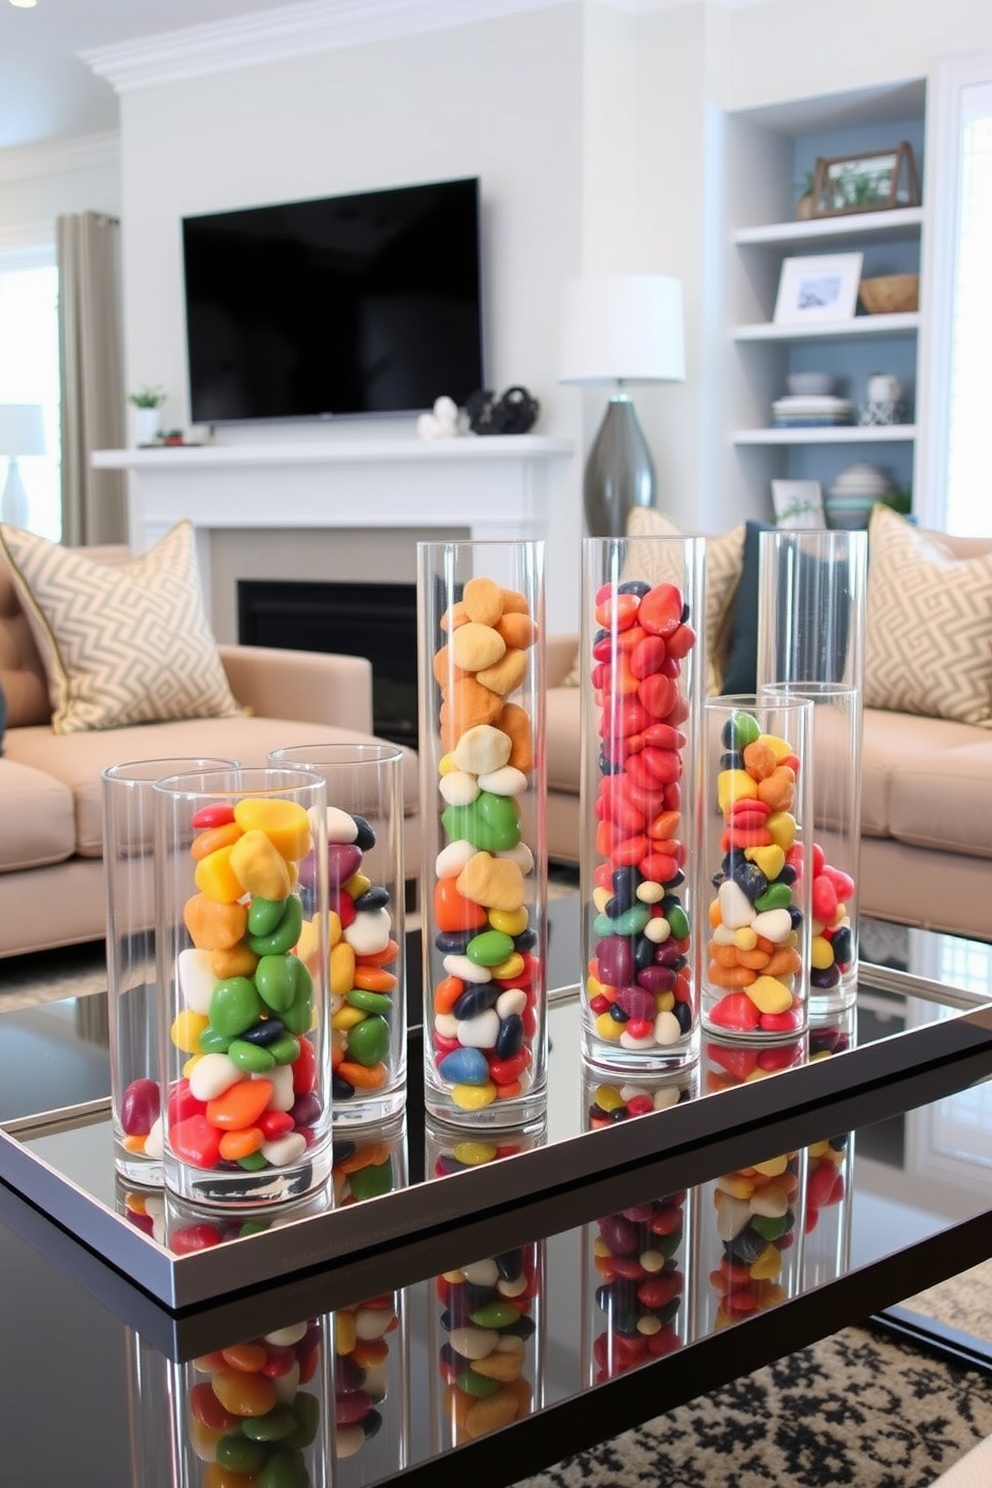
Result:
[{"x": 619, "y": 472}]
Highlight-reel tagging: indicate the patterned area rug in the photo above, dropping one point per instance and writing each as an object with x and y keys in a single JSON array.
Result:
[{"x": 858, "y": 1408}]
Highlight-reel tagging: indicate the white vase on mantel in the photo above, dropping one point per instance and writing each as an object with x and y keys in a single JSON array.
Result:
[{"x": 145, "y": 425}]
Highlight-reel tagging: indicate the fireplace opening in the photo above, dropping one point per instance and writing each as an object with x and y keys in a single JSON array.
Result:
[{"x": 378, "y": 621}]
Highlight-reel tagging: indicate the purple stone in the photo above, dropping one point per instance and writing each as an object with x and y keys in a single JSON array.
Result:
[
  {"x": 306, "y": 1109},
  {"x": 637, "y": 1003},
  {"x": 656, "y": 978},
  {"x": 343, "y": 859},
  {"x": 620, "y": 1237},
  {"x": 615, "y": 961}
]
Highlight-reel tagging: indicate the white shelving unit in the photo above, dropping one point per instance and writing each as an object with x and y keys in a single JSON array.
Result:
[{"x": 773, "y": 148}]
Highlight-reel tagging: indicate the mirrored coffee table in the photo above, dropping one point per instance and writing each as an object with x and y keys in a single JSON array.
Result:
[{"x": 567, "y": 1209}]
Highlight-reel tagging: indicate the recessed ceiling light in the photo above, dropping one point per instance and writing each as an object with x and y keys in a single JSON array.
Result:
[{"x": 24, "y": 4}]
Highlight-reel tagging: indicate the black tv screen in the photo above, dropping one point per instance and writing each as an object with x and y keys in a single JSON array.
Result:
[{"x": 362, "y": 304}]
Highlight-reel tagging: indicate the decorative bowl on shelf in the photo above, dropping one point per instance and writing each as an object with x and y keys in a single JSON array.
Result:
[
  {"x": 856, "y": 490},
  {"x": 848, "y": 513},
  {"x": 811, "y": 384},
  {"x": 890, "y": 294}
]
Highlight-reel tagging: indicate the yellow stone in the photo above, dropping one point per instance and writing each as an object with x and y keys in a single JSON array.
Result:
[
  {"x": 782, "y": 827},
  {"x": 285, "y": 823},
  {"x": 357, "y": 885},
  {"x": 780, "y": 748},
  {"x": 342, "y": 968},
  {"x": 607, "y": 1097},
  {"x": 446, "y": 765},
  {"x": 474, "y": 1153},
  {"x": 474, "y": 1097},
  {"x": 735, "y": 1185},
  {"x": 769, "y": 858},
  {"x": 769, "y": 995},
  {"x": 216, "y": 879},
  {"x": 773, "y": 1167},
  {"x": 186, "y": 1029},
  {"x": 259, "y": 867},
  {"x": 821, "y": 952},
  {"x": 345, "y": 1332},
  {"x": 348, "y": 1016},
  {"x": 510, "y": 922},
  {"x": 767, "y": 1266},
  {"x": 735, "y": 785},
  {"x": 496, "y": 1366},
  {"x": 745, "y": 939},
  {"x": 608, "y": 1028},
  {"x": 601, "y": 898},
  {"x": 511, "y": 967}
]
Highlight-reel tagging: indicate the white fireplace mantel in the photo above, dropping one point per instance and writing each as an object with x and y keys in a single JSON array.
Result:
[{"x": 497, "y": 487}]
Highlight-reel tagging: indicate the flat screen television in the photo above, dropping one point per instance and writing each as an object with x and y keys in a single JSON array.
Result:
[{"x": 361, "y": 304}]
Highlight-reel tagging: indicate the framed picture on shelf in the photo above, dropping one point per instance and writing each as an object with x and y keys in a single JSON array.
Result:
[
  {"x": 866, "y": 183},
  {"x": 798, "y": 505},
  {"x": 817, "y": 289}
]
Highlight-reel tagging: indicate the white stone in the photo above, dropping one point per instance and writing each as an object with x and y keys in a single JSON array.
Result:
[
  {"x": 283, "y": 1095},
  {"x": 513, "y": 1000},
  {"x": 452, "y": 859},
  {"x": 288, "y": 1336},
  {"x": 665, "y": 1098},
  {"x": 196, "y": 980},
  {"x": 774, "y": 924},
  {"x": 446, "y": 1025},
  {"x": 483, "y": 1273},
  {"x": 473, "y": 1343},
  {"x": 732, "y": 1215},
  {"x": 736, "y": 908},
  {"x": 211, "y": 1075},
  {"x": 482, "y": 749},
  {"x": 657, "y": 930},
  {"x": 154, "y": 1140},
  {"x": 340, "y": 826},
  {"x": 667, "y": 1029},
  {"x": 372, "y": 1322},
  {"x": 287, "y": 1386},
  {"x": 509, "y": 781},
  {"x": 285, "y": 1150},
  {"x": 521, "y": 855},
  {"x": 459, "y": 788},
  {"x": 480, "y": 1032},
  {"x": 369, "y": 931},
  {"x": 461, "y": 966}
]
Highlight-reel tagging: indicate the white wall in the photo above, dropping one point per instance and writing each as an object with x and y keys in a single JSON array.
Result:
[{"x": 41, "y": 182}]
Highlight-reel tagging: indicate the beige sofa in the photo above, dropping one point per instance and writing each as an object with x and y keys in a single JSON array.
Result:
[
  {"x": 51, "y": 871},
  {"x": 926, "y": 851}
]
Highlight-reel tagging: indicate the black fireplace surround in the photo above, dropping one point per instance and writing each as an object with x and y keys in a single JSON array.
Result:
[{"x": 378, "y": 621}]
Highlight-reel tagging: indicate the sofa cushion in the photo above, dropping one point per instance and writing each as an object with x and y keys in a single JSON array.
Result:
[
  {"x": 3, "y": 716},
  {"x": 893, "y": 742},
  {"x": 22, "y": 674},
  {"x": 928, "y": 633},
  {"x": 943, "y": 800},
  {"x": 78, "y": 760},
  {"x": 39, "y": 825},
  {"x": 122, "y": 644},
  {"x": 562, "y": 739}
]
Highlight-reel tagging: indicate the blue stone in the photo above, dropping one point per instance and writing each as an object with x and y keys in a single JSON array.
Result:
[{"x": 464, "y": 1067}]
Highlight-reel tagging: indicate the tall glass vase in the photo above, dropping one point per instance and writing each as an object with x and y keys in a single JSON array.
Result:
[
  {"x": 642, "y": 681},
  {"x": 480, "y": 623},
  {"x": 811, "y": 645}
]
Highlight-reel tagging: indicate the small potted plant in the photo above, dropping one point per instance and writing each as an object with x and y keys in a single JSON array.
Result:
[{"x": 146, "y": 403}]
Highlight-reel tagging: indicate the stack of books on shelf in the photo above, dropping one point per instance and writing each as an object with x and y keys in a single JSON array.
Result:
[{"x": 810, "y": 411}]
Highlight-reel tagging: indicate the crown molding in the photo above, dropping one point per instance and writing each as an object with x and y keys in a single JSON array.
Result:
[
  {"x": 56, "y": 157},
  {"x": 311, "y": 26}
]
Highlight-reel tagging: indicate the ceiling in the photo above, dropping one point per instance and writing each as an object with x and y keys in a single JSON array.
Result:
[{"x": 48, "y": 92}]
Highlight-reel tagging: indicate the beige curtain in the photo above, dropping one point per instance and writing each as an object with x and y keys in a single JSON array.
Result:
[{"x": 94, "y": 502}]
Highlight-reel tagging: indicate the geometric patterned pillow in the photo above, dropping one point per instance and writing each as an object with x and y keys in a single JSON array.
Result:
[
  {"x": 928, "y": 630},
  {"x": 122, "y": 643}
]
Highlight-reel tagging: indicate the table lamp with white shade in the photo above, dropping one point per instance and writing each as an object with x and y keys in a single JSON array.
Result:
[
  {"x": 22, "y": 432},
  {"x": 620, "y": 330}
]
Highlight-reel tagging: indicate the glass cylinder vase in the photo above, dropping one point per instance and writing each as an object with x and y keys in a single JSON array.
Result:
[
  {"x": 811, "y": 615},
  {"x": 641, "y": 684},
  {"x": 365, "y": 878},
  {"x": 754, "y": 829},
  {"x": 480, "y": 622},
  {"x": 132, "y": 1001},
  {"x": 242, "y": 963}
]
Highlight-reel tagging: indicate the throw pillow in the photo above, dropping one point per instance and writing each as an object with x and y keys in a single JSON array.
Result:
[
  {"x": 122, "y": 643},
  {"x": 740, "y": 673},
  {"x": 3, "y": 716},
  {"x": 928, "y": 630}
]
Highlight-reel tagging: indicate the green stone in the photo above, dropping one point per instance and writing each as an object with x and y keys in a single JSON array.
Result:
[
  {"x": 287, "y": 932},
  {"x": 740, "y": 730},
  {"x": 477, "y": 1384},
  {"x": 253, "y": 1163},
  {"x": 776, "y": 896},
  {"x": 489, "y": 948},
  {"x": 679, "y": 921},
  {"x": 491, "y": 823},
  {"x": 373, "y": 1181},
  {"x": 286, "y": 1468},
  {"x": 212, "y": 1042},
  {"x": 369, "y": 1002},
  {"x": 298, "y": 1016},
  {"x": 285, "y": 1050},
  {"x": 306, "y": 1409},
  {"x": 768, "y": 1229},
  {"x": 632, "y": 921},
  {"x": 234, "y": 1006},
  {"x": 495, "y": 1315},
  {"x": 252, "y": 1058},
  {"x": 368, "y": 1041},
  {"x": 264, "y": 915},
  {"x": 238, "y": 1454},
  {"x": 275, "y": 1425},
  {"x": 275, "y": 978}
]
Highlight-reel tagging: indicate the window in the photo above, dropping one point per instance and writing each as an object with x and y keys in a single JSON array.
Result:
[
  {"x": 955, "y": 374},
  {"x": 29, "y": 373}
]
